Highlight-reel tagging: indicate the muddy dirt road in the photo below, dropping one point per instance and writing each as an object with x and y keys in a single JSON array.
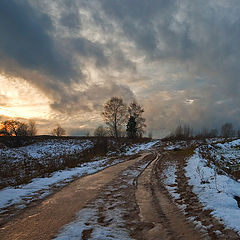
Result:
[{"x": 125, "y": 201}]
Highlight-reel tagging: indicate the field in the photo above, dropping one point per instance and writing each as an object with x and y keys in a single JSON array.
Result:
[{"x": 192, "y": 181}]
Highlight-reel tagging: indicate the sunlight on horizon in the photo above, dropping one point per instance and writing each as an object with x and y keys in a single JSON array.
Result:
[{"x": 21, "y": 100}]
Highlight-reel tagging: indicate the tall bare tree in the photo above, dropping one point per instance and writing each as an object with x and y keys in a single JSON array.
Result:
[
  {"x": 100, "y": 131},
  {"x": 114, "y": 114},
  {"x": 238, "y": 132},
  {"x": 58, "y": 131},
  {"x": 182, "y": 132},
  {"x": 227, "y": 130},
  {"x": 32, "y": 129},
  {"x": 135, "y": 110}
]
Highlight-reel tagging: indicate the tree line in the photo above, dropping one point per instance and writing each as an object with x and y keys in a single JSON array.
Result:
[
  {"x": 122, "y": 119},
  {"x": 185, "y": 132},
  {"x": 22, "y": 129}
]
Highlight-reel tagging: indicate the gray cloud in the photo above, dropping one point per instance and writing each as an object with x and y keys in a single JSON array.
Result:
[
  {"x": 25, "y": 37},
  {"x": 162, "y": 52},
  {"x": 92, "y": 99}
]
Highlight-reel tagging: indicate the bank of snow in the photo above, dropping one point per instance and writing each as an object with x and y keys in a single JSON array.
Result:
[
  {"x": 39, "y": 188},
  {"x": 215, "y": 191},
  {"x": 45, "y": 149},
  {"x": 137, "y": 148}
]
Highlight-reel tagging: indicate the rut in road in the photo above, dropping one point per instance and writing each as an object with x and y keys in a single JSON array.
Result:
[
  {"x": 44, "y": 220},
  {"x": 113, "y": 214},
  {"x": 161, "y": 213},
  {"x": 162, "y": 218}
]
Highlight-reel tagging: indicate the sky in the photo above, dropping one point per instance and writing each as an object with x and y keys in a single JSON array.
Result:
[{"x": 61, "y": 60}]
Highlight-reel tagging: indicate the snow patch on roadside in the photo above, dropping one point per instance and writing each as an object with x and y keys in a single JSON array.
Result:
[
  {"x": 169, "y": 180},
  {"x": 136, "y": 148},
  {"x": 215, "y": 191},
  {"x": 41, "y": 187}
]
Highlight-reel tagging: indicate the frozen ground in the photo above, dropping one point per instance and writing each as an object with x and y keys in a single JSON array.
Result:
[
  {"x": 169, "y": 179},
  {"x": 105, "y": 218},
  {"x": 45, "y": 149},
  {"x": 227, "y": 155},
  {"x": 216, "y": 192},
  {"x": 136, "y": 148},
  {"x": 39, "y": 188}
]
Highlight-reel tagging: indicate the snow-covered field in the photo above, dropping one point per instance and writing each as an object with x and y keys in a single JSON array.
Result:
[
  {"x": 45, "y": 149},
  {"x": 19, "y": 165},
  {"x": 215, "y": 191},
  {"x": 38, "y": 188},
  {"x": 226, "y": 156},
  {"x": 211, "y": 174}
]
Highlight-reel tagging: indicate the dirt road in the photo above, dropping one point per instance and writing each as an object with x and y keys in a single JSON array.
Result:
[
  {"x": 125, "y": 201},
  {"x": 43, "y": 221}
]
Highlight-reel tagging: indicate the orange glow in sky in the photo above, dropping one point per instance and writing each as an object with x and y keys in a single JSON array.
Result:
[{"x": 18, "y": 99}]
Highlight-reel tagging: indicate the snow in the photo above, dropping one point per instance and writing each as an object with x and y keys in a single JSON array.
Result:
[
  {"x": 169, "y": 180},
  {"x": 47, "y": 148},
  {"x": 87, "y": 219},
  {"x": 41, "y": 187},
  {"x": 215, "y": 191},
  {"x": 113, "y": 213},
  {"x": 136, "y": 148},
  {"x": 230, "y": 144},
  {"x": 178, "y": 144}
]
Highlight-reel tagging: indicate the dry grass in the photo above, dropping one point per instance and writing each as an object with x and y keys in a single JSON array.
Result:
[{"x": 13, "y": 173}]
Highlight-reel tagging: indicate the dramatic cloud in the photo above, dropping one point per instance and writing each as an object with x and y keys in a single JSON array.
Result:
[{"x": 180, "y": 59}]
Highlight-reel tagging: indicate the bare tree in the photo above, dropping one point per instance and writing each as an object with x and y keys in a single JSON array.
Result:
[
  {"x": 204, "y": 132},
  {"x": 114, "y": 114},
  {"x": 238, "y": 133},
  {"x": 213, "y": 133},
  {"x": 100, "y": 131},
  {"x": 58, "y": 131},
  {"x": 182, "y": 132},
  {"x": 14, "y": 128},
  {"x": 32, "y": 129},
  {"x": 227, "y": 130},
  {"x": 150, "y": 135},
  {"x": 135, "y": 110}
]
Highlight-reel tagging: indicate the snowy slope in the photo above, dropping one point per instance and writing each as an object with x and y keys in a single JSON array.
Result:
[
  {"x": 52, "y": 147},
  {"x": 215, "y": 191},
  {"x": 41, "y": 187}
]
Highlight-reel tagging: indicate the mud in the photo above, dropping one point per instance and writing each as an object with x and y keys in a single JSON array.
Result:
[
  {"x": 158, "y": 211},
  {"x": 44, "y": 220},
  {"x": 125, "y": 201}
]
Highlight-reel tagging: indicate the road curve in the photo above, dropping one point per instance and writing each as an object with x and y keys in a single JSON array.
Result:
[{"x": 44, "y": 220}]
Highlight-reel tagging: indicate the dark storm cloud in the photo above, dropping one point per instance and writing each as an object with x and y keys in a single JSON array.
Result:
[
  {"x": 25, "y": 38},
  {"x": 148, "y": 24},
  {"x": 91, "y": 99},
  {"x": 194, "y": 45},
  {"x": 70, "y": 20},
  {"x": 198, "y": 37},
  {"x": 29, "y": 49},
  {"x": 89, "y": 49}
]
